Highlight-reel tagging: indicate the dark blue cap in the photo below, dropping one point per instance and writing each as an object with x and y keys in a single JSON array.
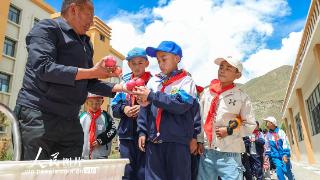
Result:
[
  {"x": 136, "y": 52},
  {"x": 165, "y": 46}
]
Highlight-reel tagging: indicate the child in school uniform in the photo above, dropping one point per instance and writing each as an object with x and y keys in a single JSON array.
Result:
[
  {"x": 227, "y": 116},
  {"x": 125, "y": 107},
  {"x": 98, "y": 128},
  {"x": 278, "y": 149},
  {"x": 166, "y": 120}
]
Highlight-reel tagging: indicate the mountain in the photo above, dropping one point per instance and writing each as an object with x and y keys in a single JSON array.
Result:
[{"x": 267, "y": 92}]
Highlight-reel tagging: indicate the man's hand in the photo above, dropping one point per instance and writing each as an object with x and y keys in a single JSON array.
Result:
[
  {"x": 121, "y": 88},
  {"x": 221, "y": 132},
  {"x": 200, "y": 148},
  {"x": 103, "y": 72},
  {"x": 141, "y": 143},
  {"x": 193, "y": 146},
  {"x": 98, "y": 71}
]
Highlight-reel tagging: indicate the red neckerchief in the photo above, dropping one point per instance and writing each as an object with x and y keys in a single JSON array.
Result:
[
  {"x": 172, "y": 79},
  {"x": 145, "y": 76},
  {"x": 215, "y": 87},
  {"x": 92, "y": 129},
  {"x": 256, "y": 133},
  {"x": 199, "y": 89}
]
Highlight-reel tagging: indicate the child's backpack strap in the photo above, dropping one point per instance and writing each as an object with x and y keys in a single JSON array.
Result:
[
  {"x": 108, "y": 119},
  {"x": 82, "y": 114}
]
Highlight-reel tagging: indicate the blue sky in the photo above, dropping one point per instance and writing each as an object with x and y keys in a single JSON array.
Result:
[
  {"x": 106, "y": 9},
  {"x": 293, "y": 22},
  {"x": 264, "y": 34}
]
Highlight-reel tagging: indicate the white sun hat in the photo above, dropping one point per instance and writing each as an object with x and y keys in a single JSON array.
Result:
[
  {"x": 231, "y": 60},
  {"x": 271, "y": 119}
]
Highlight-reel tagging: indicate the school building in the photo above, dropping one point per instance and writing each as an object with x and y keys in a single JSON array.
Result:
[
  {"x": 17, "y": 17},
  {"x": 301, "y": 107}
]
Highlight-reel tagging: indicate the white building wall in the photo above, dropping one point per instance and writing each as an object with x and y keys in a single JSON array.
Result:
[{"x": 15, "y": 66}]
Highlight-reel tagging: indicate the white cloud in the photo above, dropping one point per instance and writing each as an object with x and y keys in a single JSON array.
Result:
[
  {"x": 266, "y": 59},
  {"x": 162, "y": 2},
  {"x": 205, "y": 29}
]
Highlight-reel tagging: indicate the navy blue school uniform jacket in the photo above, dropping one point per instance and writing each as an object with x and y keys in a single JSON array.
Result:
[{"x": 180, "y": 118}]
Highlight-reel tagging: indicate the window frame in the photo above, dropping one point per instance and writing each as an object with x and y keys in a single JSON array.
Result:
[
  {"x": 4, "y": 51},
  {"x": 3, "y": 129},
  {"x": 8, "y": 82},
  {"x": 35, "y": 21},
  {"x": 18, "y": 20},
  {"x": 313, "y": 103},
  {"x": 299, "y": 127},
  {"x": 102, "y": 37}
]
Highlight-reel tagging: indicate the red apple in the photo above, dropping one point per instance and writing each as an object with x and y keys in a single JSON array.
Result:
[
  {"x": 131, "y": 84},
  {"x": 110, "y": 61},
  {"x": 140, "y": 82}
]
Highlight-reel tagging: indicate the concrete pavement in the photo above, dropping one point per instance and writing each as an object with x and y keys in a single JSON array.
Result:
[{"x": 304, "y": 171}]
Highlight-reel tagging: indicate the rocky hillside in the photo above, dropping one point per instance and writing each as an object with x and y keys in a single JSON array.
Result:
[{"x": 267, "y": 92}]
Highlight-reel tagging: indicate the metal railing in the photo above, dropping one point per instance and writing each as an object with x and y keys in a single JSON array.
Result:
[{"x": 16, "y": 137}]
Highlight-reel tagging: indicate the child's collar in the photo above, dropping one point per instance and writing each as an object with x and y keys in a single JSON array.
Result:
[{"x": 164, "y": 77}]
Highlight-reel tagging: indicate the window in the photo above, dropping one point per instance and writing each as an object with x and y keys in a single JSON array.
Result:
[
  {"x": 9, "y": 47},
  {"x": 14, "y": 14},
  {"x": 102, "y": 37},
  {"x": 299, "y": 127},
  {"x": 4, "y": 82},
  {"x": 35, "y": 21},
  {"x": 313, "y": 103},
  {"x": 2, "y": 129},
  {"x": 291, "y": 134}
]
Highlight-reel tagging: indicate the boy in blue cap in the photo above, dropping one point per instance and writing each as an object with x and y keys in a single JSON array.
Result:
[
  {"x": 125, "y": 107},
  {"x": 166, "y": 120}
]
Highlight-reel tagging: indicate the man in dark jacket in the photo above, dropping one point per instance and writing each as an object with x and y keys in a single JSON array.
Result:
[{"x": 58, "y": 76}]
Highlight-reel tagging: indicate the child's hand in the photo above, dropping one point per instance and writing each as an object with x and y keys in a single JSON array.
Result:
[
  {"x": 285, "y": 159},
  {"x": 143, "y": 103},
  {"x": 193, "y": 146},
  {"x": 221, "y": 132},
  {"x": 142, "y": 92},
  {"x": 141, "y": 142},
  {"x": 200, "y": 148},
  {"x": 135, "y": 110},
  {"x": 95, "y": 144},
  {"x": 253, "y": 139},
  {"x": 128, "y": 111}
]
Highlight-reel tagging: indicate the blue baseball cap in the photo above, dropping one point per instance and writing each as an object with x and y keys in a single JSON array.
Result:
[
  {"x": 165, "y": 46},
  {"x": 136, "y": 52}
]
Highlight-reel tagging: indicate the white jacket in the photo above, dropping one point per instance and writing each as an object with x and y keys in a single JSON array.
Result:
[{"x": 232, "y": 103}]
